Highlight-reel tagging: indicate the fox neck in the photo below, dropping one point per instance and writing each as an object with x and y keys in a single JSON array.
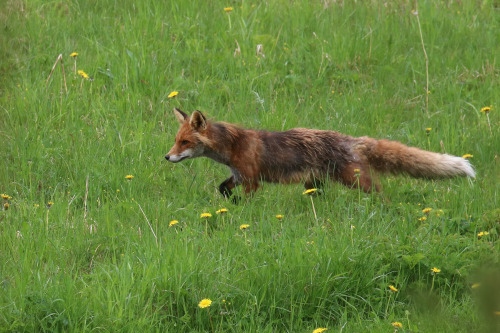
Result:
[
  {"x": 217, "y": 156},
  {"x": 219, "y": 142}
]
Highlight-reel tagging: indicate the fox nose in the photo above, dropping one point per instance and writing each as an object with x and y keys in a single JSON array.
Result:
[{"x": 167, "y": 157}]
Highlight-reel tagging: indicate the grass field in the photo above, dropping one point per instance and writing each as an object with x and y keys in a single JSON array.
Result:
[{"x": 83, "y": 249}]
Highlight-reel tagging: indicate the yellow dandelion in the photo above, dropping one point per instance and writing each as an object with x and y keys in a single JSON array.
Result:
[
  {"x": 279, "y": 216},
  {"x": 36, "y": 205},
  {"x": 320, "y": 329},
  {"x": 435, "y": 270},
  {"x": 49, "y": 204},
  {"x": 205, "y": 303},
  {"x": 428, "y": 129},
  {"x": 423, "y": 218},
  {"x": 83, "y": 74},
  {"x": 475, "y": 285},
  {"x": 222, "y": 211},
  {"x": 467, "y": 156},
  {"x": 310, "y": 191},
  {"x": 205, "y": 215},
  {"x": 173, "y": 222},
  {"x": 6, "y": 206},
  {"x": 483, "y": 233},
  {"x": 486, "y": 109},
  {"x": 397, "y": 324},
  {"x": 392, "y": 288},
  {"x": 244, "y": 226},
  {"x": 6, "y": 197},
  {"x": 74, "y": 54},
  {"x": 356, "y": 170},
  {"x": 173, "y": 94},
  {"x": 228, "y": 9},
  {"x": 426, "y": 210},
  {"x": 129, "y": 177}
]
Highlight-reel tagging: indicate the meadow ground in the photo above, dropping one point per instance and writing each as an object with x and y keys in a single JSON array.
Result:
[{"x": 82, "y": 248}]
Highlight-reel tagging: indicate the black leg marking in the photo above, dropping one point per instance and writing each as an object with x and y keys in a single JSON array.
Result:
[{"x": 226, "y": 186}]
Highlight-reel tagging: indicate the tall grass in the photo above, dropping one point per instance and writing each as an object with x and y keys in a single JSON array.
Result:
[{"x": 102, "y": 255}]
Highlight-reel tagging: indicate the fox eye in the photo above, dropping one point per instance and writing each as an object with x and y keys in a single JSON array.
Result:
[{"x": 184, "y": 142}]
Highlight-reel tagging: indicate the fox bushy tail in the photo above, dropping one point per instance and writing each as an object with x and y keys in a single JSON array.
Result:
[{"x": 395, "y": 157}]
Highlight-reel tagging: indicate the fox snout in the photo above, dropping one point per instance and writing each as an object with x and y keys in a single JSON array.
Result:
[{"x": 174, "y": 158}]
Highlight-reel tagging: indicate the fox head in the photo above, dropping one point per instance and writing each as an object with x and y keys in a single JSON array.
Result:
[{"x": 189, "y": 138}]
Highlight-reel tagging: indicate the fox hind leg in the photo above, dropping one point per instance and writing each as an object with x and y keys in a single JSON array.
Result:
[
  {"x": 313, "y": 183},
  {"x": 356, "y": 175}
]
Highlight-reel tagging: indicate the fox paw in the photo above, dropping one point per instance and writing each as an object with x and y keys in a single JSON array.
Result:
[{"x": 236, "y": 199}]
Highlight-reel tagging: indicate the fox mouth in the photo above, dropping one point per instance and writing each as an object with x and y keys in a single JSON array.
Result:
[
  {"x": 181, "y": 159},
  {"x": 176, "y": 160}
]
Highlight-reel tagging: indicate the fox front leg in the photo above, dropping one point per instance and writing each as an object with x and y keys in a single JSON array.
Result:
[
  {"x": 225, "y": 189},
  {"x": 226, "y": 186}
]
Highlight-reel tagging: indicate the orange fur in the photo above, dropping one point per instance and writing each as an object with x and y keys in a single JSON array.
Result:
[{"x": 304, "y": 155}]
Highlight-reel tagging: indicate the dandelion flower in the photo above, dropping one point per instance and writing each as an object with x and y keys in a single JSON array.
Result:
[
  {"x": 435, "y": 270},
  {"x": 173, "y": 94},
  {"x": 205, "y": 303},
  {"x": 205, "y": 215},
  {"x": 279, "y": 216},
  {"x": 482, "y": 233},
  {"x": 475, "y": 285},
  {"x": 36, "y": 205},
  {"x": 6, "y": 197},
  {"x": 428, "y": 129},
  {"x": 310, "y": 191},
  {"x": 228, "y": 9},
  {"x": 467, "y": 156},
  {"x": 426, "y": 210},
  {"x": 6, "y": 206},
  {"x": 356, "y": 170},
  {"x": 392, "y": 288},
  {"x": 83, "y": 74},
  {"x": 173, "y": 222},
  {"x": 74, "y": 54},
  {"x": 244, "y": 226},
  {"x": 486, "y": 109},
  {"x": 397, "y": 324},
  {"x": 129, "y": 177},
  {"x": 49, "y": 204},
  {"x": 222, "y": 211},
  {"x": 320, "y": 329}
]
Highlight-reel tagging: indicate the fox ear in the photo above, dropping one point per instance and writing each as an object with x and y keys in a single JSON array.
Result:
[
  {"x": 198, "y": 121},
  {"x": 181, "y": 116}
]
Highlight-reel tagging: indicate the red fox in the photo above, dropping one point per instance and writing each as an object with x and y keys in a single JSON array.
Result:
[{"x": 304, "y": 155}]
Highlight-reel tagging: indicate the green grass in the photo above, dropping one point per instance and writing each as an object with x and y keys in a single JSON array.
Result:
[{"x": 103, "y": 257}]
